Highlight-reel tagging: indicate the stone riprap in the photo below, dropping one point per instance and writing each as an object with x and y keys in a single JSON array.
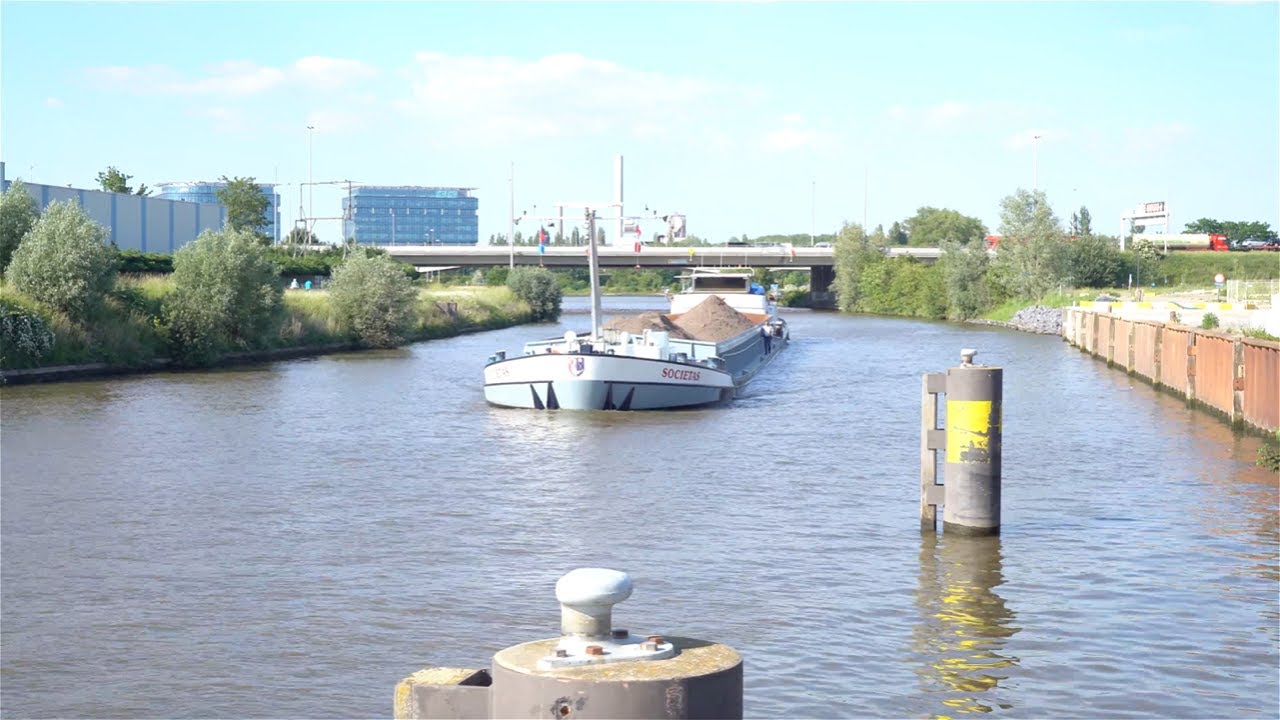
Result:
[{"x": 1035, "y": 319}]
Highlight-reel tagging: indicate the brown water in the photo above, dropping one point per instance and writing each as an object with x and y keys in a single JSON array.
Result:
[{"x": 291, "y": 540}]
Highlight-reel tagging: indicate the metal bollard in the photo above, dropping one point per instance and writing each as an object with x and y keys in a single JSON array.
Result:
[
  {"x": 592, "y": 671},
  {"x": 970, "y": 494}
]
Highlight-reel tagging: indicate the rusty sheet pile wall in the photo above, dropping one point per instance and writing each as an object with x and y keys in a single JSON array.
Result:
[
  {"x": 1121, "y": 346},
  {"x": 1261, "y": 402},
  {"x": 1236, "y": 376}
]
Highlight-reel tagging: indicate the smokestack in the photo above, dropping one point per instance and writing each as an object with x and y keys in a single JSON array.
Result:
[{"x": 617, "y": 198}]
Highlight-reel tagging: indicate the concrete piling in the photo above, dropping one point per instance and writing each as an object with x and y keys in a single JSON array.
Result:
[
  {"x": 592, "y": 671},
  {"x": 970, "y": 494}
]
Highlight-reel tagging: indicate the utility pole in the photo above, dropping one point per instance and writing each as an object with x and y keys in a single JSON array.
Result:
[
  {"x": 511, "y": 215},
  {"x": 866, "y": 184},
  {"x": 813, "y": 209}
]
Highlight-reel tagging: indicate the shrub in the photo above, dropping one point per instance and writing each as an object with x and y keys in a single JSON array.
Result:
[
  {"x": 1209, "y": 321},
  {"x": 1269, "y": 453},
  {"x": 1094, "y": 261},
  {"x": 372, "y": 299},
  {"x": 136, "y": 261},
  {"x": 538, "y": 288},
  {"x": 64, "y": 261},
  {"x": 226, "y": 296},
  {"x": 25, "y": 337},
  {"x": 17, "y": 215}
]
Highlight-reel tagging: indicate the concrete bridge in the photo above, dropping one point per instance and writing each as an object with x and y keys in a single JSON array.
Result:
[
  {"x": 649, "y": 256},
  {"x": 819, "y": 261}
]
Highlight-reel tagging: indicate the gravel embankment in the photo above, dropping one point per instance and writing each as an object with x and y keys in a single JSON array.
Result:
[{"x": 1035, "y": 319}]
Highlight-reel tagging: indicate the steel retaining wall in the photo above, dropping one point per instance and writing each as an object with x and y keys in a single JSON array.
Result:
[
  {"x": 1238, "y": 377},
  {"x": 1215, "y": 368},
  {"x": 1260, "y": 405},
  {"x": 1121, "y": 344},
  {"x": 1146, "y": 349},
  {"x": 1175, "y": 349}
]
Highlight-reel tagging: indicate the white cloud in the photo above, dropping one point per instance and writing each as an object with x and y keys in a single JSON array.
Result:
[
  {"x": 230, "y": 78},
  {"x": 564, "y": 94},
  {"x": 223, "y": 120},
  {"x": 53, "y": 102},
  {"x": 795, "y": 134},
  {"x": 329, "y": 73}
]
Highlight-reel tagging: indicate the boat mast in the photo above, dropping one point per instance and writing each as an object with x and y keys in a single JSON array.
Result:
[{"x": 593, "y": 266}]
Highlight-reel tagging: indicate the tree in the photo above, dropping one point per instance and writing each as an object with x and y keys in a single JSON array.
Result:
[
  {"x": 854, "y": 253},
  {"x": 1081, "y": 223},
  {"x": 301, "y": 236},
  {"x": 373, "y": 300},
  {"x": 17, "y": 214},
  {"x": 226, "y": 296},
  {"x": 112, "y": 180},
  {"x": 1234, "y": 230},
  {"x": 538, "y": 288},
  {"x": 929, "y": 227},
  {"x": 1031, "y": 245},
  {"x": 246, "y": 206},
  {"x": 897, "y": 236},
  {"x": 964, "y": 269},
  {"x": 64, "y": 261}
]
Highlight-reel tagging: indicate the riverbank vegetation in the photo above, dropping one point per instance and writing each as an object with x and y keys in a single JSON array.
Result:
[
  {"x": 63, "y": 300},
  {"x": 1037, "y": 261}
]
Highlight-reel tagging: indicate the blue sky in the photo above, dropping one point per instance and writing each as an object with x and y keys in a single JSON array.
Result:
[{"x": 752, "y": 118}]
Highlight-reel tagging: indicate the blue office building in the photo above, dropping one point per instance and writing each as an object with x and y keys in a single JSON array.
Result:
[
  {"x": 411, "y": 215},
  {"x": 207, "y": 192}
]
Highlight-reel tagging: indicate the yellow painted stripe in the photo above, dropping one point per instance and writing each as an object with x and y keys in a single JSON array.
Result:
[
  {"x": 1086, "y": 303},
  {"x": 1146, "y": 305},
  {"x": 969, "y": 431}
]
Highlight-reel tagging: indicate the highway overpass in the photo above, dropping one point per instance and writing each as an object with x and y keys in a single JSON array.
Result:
[{"x": 439, "y": 256}]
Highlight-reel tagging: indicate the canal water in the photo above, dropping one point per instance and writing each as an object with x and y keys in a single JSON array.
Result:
[{"x": 290, "y": 540}]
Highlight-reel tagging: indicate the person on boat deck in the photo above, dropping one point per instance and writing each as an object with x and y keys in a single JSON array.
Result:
[{"x": 768, "y": 338}]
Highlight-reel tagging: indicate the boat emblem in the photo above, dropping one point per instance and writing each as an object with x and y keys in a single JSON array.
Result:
[{"x": 577, "y": 365}]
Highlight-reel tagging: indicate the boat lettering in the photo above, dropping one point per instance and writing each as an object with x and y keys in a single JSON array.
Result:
[{"x": 674, "y": 374}]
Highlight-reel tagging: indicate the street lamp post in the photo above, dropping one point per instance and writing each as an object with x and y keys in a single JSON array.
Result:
[
  {"x": 311, "y": 188},
  {"x": 1035, "y": 177}
]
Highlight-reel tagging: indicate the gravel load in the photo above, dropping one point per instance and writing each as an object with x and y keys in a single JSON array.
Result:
[
  {"x": 713, "y": 320},
  {"x": 637, "y": 324}
]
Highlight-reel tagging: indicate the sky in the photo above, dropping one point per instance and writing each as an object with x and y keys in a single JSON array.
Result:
[{"x": 749, "y": 118}]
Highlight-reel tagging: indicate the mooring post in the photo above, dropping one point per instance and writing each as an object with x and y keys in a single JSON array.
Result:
[
  {"x": 971, "y": 503},
  {"x": 592, "y": 671}
]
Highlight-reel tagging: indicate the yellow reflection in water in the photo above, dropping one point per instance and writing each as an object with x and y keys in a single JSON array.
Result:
[{"x": 963, "y": 624}]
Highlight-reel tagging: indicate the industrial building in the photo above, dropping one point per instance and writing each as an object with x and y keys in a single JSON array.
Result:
[
  {"x": 135, "y": 222},
  {"x": 411, "y": 215},
  {"x": 207, "y": 192}
]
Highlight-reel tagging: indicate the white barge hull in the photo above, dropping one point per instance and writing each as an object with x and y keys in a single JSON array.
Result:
[{"x": 554, "y": 381}]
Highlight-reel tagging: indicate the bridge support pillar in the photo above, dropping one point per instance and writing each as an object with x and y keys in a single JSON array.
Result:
[{"x": 820, "y": 279}]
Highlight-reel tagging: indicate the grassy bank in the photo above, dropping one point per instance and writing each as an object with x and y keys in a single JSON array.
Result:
[{"x": 129, "y": 329}]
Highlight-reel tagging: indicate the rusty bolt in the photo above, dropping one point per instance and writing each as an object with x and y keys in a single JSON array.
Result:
[
  {"x": 595, "y": 650},
  {"x": 561, "y": 652},
  {"x": 656, "y": 639},
  {"x": 620, "y": 633}
]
